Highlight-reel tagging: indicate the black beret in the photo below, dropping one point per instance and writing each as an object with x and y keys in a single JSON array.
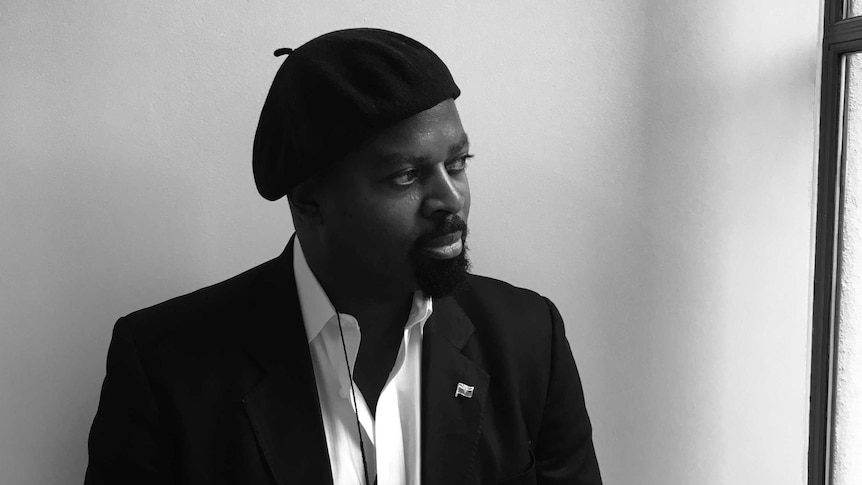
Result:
[{"x": 335, "y": 92}]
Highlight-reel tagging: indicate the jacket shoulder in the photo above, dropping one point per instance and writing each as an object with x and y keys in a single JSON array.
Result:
[
  {"x": 518, "y": 318},
  {"x": 193, "y": 312},
  {"x": 500, "y": 297}
]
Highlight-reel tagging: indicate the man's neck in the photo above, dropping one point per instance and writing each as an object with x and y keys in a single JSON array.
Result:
[
  {"x": 381, "y": 321},
  {"x": 374, "y": 314},
  {"x": 377, "y": 306}
]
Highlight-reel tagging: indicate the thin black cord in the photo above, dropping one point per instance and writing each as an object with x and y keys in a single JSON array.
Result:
[{"x": 355, "y": 406}]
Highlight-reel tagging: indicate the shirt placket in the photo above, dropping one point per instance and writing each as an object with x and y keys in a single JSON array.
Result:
[{"x": 352, "y": 340}]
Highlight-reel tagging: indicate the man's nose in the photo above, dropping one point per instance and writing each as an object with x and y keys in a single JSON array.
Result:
[{"x": 446, "y": 194}]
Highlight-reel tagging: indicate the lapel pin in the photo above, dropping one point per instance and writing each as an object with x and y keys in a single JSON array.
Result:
[{"x": 464, "y": 390}]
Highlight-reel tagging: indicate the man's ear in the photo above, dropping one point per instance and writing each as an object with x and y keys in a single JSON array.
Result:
[{"x": 304, "y": 198}]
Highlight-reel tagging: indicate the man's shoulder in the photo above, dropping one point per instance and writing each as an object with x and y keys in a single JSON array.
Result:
[
  {"x": 513, "y": 327},
  {"x": 504, "y": 306},
  {"x": 203, "y": 309},
  {"x": 500, "y": 294}
]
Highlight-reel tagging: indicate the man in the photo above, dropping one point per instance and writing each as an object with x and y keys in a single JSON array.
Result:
[{"x": 457, "y": 379}]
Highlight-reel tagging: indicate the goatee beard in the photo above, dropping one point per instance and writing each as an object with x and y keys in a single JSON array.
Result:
[{"x": 442, "y": 277}]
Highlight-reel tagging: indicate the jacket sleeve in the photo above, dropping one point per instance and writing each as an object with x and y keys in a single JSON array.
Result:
[
  {"x": 129, "y": 442},
  {"x": 564, "y": 448}
]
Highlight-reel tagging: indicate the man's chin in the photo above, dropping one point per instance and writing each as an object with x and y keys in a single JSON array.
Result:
[{"x": 436, "y": 277}]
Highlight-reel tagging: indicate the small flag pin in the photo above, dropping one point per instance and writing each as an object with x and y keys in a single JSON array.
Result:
[{"x": 464, "y": 390}]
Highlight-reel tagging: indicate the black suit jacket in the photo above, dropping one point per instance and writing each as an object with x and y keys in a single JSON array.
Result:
[{"x": 217, "y": 387}]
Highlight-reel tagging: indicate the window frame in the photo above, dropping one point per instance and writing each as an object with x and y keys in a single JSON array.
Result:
[{"x": 841, "y": 36}]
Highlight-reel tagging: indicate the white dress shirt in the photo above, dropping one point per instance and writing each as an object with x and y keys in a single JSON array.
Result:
[{"x": 392, "y": 439}]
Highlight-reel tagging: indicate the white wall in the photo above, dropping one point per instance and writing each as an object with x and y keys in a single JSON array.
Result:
[
  {"x": 847, "y": 410},
  {"x": 648, "y": 165}
]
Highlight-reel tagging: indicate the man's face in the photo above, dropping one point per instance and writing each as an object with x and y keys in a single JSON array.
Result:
[{"x": 394, "y": 211}]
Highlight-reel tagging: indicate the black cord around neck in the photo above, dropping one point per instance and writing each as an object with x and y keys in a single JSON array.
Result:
[{"x": 355, "y": 405}]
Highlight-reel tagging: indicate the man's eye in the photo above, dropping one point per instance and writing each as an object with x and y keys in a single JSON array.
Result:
[
  {"x": 459, "y": 164},
  {"x": 406, "y": 177}
]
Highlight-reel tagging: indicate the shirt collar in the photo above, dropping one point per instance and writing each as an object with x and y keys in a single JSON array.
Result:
[{"x": 317, "y": 309}]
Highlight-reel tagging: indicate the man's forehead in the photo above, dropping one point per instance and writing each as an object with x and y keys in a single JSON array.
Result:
[{"x": 437, "y": 130}]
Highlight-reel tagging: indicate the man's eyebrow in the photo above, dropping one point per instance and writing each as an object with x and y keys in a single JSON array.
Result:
[
  {"x": 457, "y": 147},
  {"x": 400, "y": 158}
]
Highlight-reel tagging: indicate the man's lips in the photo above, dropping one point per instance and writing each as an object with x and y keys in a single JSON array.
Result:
[{"x": 444, "y": 247}]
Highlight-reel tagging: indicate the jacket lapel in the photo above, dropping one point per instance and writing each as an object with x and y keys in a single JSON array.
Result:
[
  {"x": 450, "y": 423},
  {"x": 283, "y": 406}
]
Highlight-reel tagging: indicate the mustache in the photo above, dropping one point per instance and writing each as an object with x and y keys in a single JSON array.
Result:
[{"x": 452, "y": 223}]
